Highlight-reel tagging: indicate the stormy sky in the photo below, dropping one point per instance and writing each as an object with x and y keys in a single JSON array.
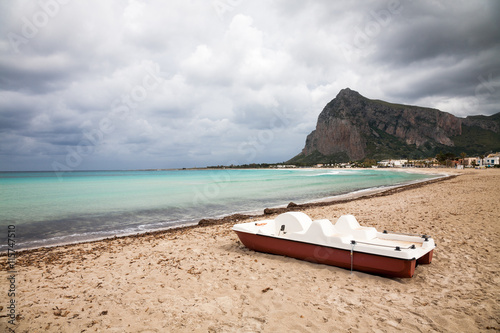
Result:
[{"x": 184, "y": 83}]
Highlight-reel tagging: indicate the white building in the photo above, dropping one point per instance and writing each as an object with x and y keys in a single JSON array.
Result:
[
  {"x": 392, "y": 163},
  {"x": 470, "y": 161},
  {"x": 492, "y": 160}
]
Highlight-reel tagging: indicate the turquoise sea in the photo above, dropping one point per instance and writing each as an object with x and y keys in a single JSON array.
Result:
[{"x": 48, "y": 209}]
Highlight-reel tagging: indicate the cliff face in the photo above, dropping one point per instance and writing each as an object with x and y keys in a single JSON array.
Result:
[
  {"x": 336, "y": 136},
  {"x": 352, "y": 127}
]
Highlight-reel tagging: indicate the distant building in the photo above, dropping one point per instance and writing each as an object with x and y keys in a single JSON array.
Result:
[
  {"x": 470, "y": 161},
  {"x": 425, "y": 163},
  {"x": 400, "y": 163},
  {"x": 492, "y": 160},
  {"x": 392, "y": 163},
  {"x": 280, "y": 166}
]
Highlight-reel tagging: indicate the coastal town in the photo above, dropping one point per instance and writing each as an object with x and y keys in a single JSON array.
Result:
[{"x": 491, "y": 160}]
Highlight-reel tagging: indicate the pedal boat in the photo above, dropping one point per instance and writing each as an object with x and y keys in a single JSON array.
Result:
[{"x": 345, "y": 244}]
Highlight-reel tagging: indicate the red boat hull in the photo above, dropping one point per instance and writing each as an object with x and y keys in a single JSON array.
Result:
[
  {"x": 425, "y": 260},
  {"x": 363, "y": 262}
]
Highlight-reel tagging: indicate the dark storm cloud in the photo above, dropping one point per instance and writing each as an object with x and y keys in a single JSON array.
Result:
[
  {"x": 440, "y": 29},
  {"x": 11, "y": 119},
  {"x": 38, "y": 81},
  {"x": 453, "y": 46}
]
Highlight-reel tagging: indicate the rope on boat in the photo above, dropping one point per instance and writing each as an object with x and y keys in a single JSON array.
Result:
[{"x": 353, "y": 242}]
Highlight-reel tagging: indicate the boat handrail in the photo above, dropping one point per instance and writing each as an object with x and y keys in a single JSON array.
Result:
[
  {"x": 405, "y": 234},
  {"x": 397, "y": 248}
]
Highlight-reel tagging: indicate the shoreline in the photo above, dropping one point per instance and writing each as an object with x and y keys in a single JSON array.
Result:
[{"x": 242, "y": 216}]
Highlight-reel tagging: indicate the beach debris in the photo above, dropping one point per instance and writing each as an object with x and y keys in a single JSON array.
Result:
[
  {"x": 103, "y": 313},
  {"x": 225, "y": 219},
  {"x": 266, "y": 289},
  {"x": 269, "y": 211},
  {"x": 193, "y": 271},
  {"x": 60, "y": 312},
  {"x": 204, "y": 222}
]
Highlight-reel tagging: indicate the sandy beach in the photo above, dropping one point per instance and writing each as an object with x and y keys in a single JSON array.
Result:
[{"x": 202, "y": 279}]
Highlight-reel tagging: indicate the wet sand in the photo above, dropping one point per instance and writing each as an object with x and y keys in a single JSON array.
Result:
[{"x": 202, "y": 279}]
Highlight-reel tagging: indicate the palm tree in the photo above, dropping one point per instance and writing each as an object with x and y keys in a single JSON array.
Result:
[{"x": 463, "y": 156}]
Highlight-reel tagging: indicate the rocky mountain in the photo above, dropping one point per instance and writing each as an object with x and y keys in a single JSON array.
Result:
[{"x": 352, "y": 127}]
